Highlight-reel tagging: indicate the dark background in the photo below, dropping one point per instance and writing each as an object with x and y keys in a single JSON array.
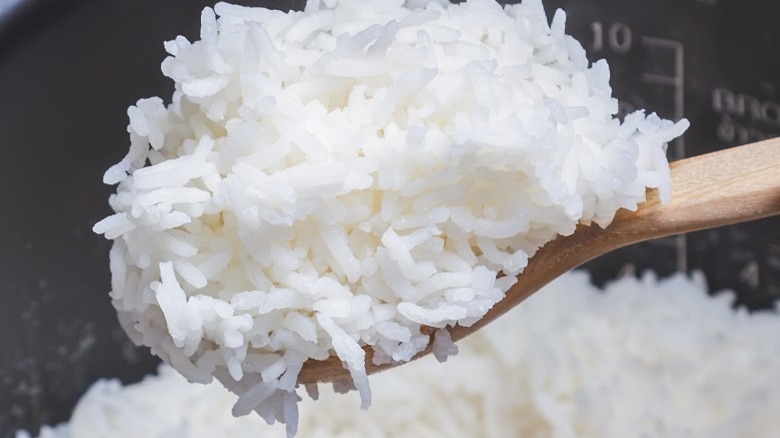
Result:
[{"x": 70, "y": 69}]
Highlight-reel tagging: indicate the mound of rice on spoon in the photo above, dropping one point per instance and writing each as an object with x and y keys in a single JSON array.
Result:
[{"x": 354, "y": 174}]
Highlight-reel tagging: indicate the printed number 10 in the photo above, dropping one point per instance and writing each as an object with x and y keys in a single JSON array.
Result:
[{"x": 618, "y": 37}]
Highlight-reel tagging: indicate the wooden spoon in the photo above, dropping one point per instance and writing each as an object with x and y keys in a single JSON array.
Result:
[{"x": 708, "y": 191}]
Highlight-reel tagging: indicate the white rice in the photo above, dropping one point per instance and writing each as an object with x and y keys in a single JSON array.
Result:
[
  {"x": 643, "y": 358},
  {"x": 368, "y": 166}
]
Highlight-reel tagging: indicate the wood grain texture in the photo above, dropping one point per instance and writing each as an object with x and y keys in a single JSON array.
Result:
[{"x": 708, "y": 191}]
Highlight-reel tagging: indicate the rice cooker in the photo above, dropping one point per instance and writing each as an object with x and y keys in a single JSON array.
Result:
[{"x": 70, "y": 69}]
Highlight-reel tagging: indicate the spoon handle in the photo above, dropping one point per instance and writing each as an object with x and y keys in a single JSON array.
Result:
[{"x": 721, "y": 188}]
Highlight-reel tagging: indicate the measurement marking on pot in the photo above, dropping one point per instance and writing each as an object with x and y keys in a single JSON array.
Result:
[
  {"x": 675, "y": 79},
  {"x": 618, "y": 37}
]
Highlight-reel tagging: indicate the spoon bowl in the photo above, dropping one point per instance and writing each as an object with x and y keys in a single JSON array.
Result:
[{"x": 707, "y": 191}]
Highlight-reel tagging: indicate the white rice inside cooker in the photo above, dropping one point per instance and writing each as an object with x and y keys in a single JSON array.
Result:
[
  {"x": 340, "y": 177},
  {"x": 641, "y": 358}
]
